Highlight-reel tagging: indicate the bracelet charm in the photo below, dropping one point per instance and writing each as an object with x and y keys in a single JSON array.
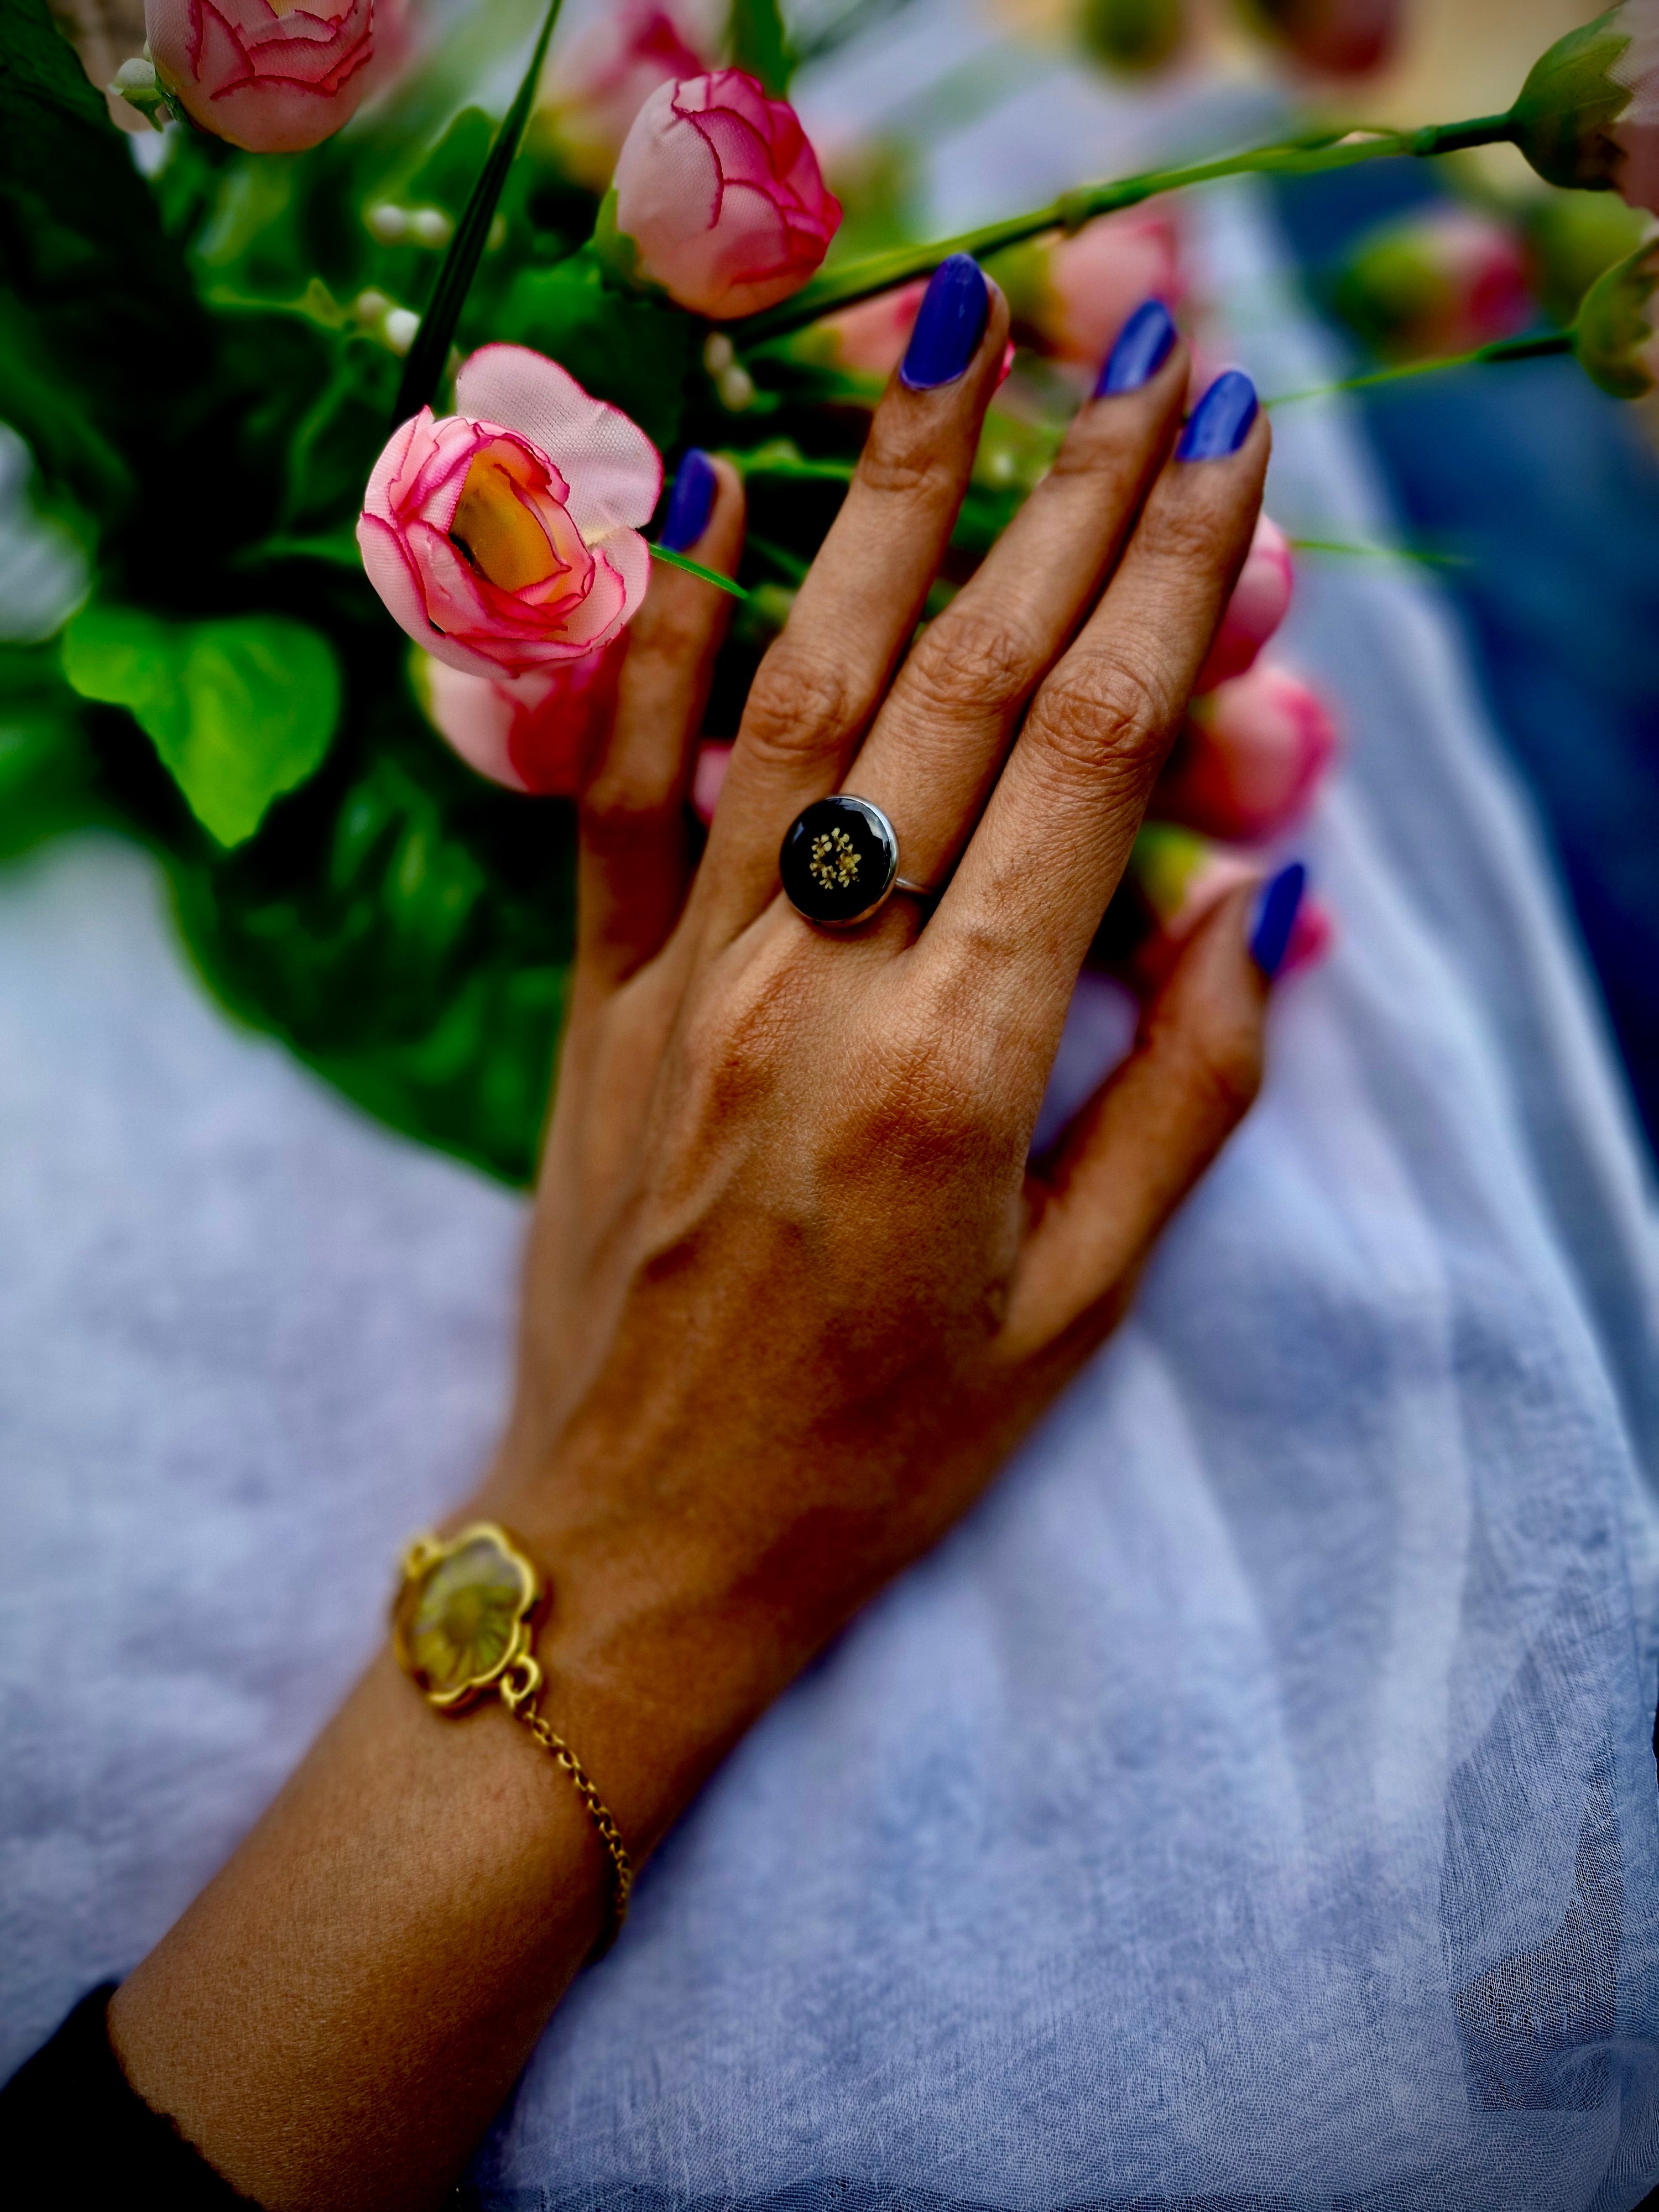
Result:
[{"x": 463, "y": 1625}]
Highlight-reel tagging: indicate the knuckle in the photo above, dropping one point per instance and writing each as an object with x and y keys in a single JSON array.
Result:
[
  {"x": 1225, "y": 1073},
  {"x": 972, "y": 661},
  {"x": 798, "y": 705},
  {"x": 1102, "y": 707},
  {"x": 901, "y": 460},
  {"x": 1192, "y": 533}
]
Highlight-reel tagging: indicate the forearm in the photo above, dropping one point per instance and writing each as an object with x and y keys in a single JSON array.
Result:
[{"x": 339, "y": 2014}]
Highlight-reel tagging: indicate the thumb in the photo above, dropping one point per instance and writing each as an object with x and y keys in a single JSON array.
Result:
[{"x": 1099, "y": 1202}]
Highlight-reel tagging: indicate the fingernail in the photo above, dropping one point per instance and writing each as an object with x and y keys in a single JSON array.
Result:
[
  {"x": 949, "y": 326},
  {"x": 1275, "y": 918},
  {"x": 1144, "y": 345},
  {"x": 1221, "y": 422},
  {"x": 690, "y": 502}
]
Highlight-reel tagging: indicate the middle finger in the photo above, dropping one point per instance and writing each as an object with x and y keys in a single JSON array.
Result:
[{"x": 939, "y": 741}]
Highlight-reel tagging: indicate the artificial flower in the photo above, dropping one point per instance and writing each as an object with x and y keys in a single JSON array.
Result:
[
  {"x": 1133, "y": 35},
  {"x": 869, "y": 339},
  {"x": 1173, "y": 878},
  {"x": 1588, "y": 117},
  {"x": 535, "y": 732},
  {"x": 1616, "y": 339},
  {"x": 709, "y": 778},
  {"x": 268, "y": 74},
  {"x": 1259, "y": 602},
  {"x": 718, "y": 198},
  {"x": 599, "y": 82},
  {"x": 1338, "y": 38},
  {"x": 1253, "y": 754},
  {"x": 1439, "y": 282},
  {"x": 1074, "y": 296},
  {"x": 505, "y": 538}
]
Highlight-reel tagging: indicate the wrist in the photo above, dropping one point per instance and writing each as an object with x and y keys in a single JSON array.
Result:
[{"x": 657, "y": 1651}]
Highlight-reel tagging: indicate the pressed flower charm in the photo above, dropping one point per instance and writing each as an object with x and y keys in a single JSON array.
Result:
[{"x": 465, "y": 1614}]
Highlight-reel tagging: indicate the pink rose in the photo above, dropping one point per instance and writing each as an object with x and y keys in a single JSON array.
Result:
[
  {"x": 709, "y": 778},
  {"x": 719, "y": 190},
  {"x": 1338, "y": 38},
  {"x": 598, "y": 84},
  {"x": 1635, "y": 133},
  {"x": 1441, "y": 283},
  {"x": 1259, "y": 602},
  {"x": 1176, "y": 876},
  {"x": 1251, "y": 758},
  {"x": 505, "y": 538},
  {"x": 534, "y": 732},
  {"x": 270, "y": 76},
  {"x": 870, "y": 338},
  {"x": 1092, "y": 283}
]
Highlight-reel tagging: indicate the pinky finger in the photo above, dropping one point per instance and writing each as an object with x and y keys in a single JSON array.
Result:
[{"x": 1152, "y": 1129}]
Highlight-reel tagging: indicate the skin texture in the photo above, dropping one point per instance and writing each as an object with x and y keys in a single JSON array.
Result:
[{"x": 792, "y": 1290}]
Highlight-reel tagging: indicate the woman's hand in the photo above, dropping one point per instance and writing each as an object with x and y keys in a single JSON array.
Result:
[{"x": 794, "y": 1289}]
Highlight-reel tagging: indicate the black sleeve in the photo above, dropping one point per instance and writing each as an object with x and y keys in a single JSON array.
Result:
[{"x": 72, "y": 2131}]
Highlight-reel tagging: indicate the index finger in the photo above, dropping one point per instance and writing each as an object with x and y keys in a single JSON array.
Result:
[{"x": 1053, "y": 842}]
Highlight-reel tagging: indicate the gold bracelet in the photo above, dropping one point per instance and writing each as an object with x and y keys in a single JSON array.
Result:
[{"x": 463, "y": 1625}]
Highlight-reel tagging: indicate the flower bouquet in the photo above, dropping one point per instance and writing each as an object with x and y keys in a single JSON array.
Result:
[{"x": 370, "y": 413}]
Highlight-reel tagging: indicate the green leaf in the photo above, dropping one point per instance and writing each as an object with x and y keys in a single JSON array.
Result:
[
  {"x": 636, "y": 352},
  {"x": 672, "y": 560},
  {"x": 45, "y": 769},
  {"x": 760, "y": 45},
  {"x": 239, "y": 710},
  {"x": 99, "y": 332},
  {"x": 425, "y": 364}
]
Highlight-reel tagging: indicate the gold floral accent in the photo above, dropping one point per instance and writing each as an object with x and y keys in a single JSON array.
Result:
[
  {"x": 463, "y": 1614},
  {"x": 834, "y": 860}
]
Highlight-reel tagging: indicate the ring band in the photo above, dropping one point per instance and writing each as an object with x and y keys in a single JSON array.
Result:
[{"x": 840, "y": 862}]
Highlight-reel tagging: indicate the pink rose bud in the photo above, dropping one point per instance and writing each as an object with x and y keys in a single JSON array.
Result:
[
  {"x": 1441, "y": 283},
  {"x": 1092, "y": 283},
  {"x": 719, "y": 192},
  {"x": 870, "y": 338},
  {"x": 505, "y": 538},
  {"x": 1259, "y": 602},
  {"x": 1251, "y": 757},
  {"x": 1588, "y": 117},
  {"x": 1338, "y": 38},
  {"x": 1175, "y": 877},
  {"x": 268, "y": 74},
  {"x": 599, "y": 82},
  {"x": 709, "y": 780},
  {"x": 534, "y": 734}
]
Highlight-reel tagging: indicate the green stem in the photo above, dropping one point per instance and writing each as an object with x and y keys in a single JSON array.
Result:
[
  {"x": 1307, "y": 156},
  {"x": 695, "y": 568},
  {"x": 423, "y": 368},
  {"x": 1537, "y": 348}
]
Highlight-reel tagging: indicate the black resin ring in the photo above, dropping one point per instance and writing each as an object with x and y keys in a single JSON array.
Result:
[{"x": 840, "y": 862}]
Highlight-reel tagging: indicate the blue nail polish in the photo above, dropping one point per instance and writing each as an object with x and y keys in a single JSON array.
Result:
[
  {"x": 1221, "y": 422},
  {"x": 689, "y": 503},
  {"x": 949, "y": 326},
  {"x": 1144, "y": 345},
  {"x": 1275, "y": 918}
]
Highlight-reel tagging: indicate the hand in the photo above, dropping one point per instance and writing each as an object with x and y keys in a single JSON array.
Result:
[{"x": 794, "y": 1288}]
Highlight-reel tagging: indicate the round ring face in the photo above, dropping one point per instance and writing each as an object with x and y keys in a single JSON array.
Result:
[{"x": 839, "y": 861}]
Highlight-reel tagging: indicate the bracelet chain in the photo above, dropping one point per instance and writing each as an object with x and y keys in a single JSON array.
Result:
[{"x": 520, "y": 1688}]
